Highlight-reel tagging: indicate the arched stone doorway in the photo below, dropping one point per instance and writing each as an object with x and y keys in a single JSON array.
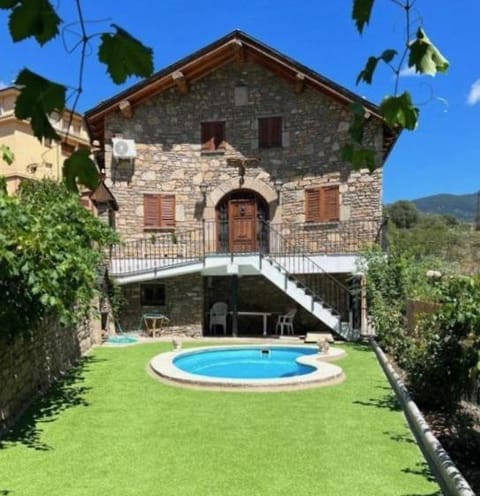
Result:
[{"x": 241, "y": 217}]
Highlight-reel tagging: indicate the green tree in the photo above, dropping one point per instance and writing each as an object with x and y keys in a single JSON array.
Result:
[{"x": 404, "y": 214}]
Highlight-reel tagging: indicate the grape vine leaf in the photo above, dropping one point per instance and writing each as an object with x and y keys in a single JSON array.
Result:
[
  {"x": 6, "y": 154},
  {"x": 399, "y": 111},
  {"x": 362, "y": 10},
  {"x": 37, "y": 99},
  {"x": 8, "y": 4},
  {"x": 35, "y": 18},
  {"x": 359, "y": 157},
  {"x": 425, "y": 56},
  {"x": 80, "y": 168},
  {"x": 358, "y": 123},
  {"x": 366, "y": 75},
  {"x": 124, "y": 55}
]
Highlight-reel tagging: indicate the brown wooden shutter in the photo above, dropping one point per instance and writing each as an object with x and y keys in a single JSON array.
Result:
[
  {"x": 213, "y": 135},
  {"x": 167, "y": 208},
  {"x": 208, "y": 136},
  {"x": 151, "y": 217},
  {"x": 313, "y": 210},
  {"x": 158, "y": 211},
  {"x": 322, "y": 204},
  {"x": 269, "y": 132},
  {"x": 219, "y": 134},
  {"x": 275, "y": 131},
  {"x": 331, "y": 205},
  {"x": 262, "y": 133}
]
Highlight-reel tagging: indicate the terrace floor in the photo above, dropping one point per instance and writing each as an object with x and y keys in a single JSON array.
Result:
[{"x": 112, "y": 428}]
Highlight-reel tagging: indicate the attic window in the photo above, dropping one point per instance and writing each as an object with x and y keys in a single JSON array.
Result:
[
  {"x": 269, "y": 132},
  {"x": 213, "y": 136},
  {"x": 152, "y": 294}
]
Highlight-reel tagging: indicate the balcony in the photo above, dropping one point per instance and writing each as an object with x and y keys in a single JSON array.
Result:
[{"x": 191, "y": 245}]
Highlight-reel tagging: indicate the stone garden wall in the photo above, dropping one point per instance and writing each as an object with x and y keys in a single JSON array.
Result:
[{"x": 32, "y": 361}]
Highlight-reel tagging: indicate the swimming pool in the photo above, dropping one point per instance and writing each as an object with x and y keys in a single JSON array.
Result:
[
  {"x": 267, "y": 367},
  {"x": 265, "y": 362}
]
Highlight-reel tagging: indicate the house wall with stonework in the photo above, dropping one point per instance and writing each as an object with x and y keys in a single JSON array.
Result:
[
  {"x": 184, "y": 305},
  {"x": 167, "y": 132}
]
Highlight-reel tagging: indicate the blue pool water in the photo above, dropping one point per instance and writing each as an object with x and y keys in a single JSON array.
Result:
[
  {"x": 122, "y": 339},
  {"x": 246, "y": 363}
]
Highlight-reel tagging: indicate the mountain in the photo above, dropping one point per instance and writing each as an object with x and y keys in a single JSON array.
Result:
[{"x": 464, "y": 207}]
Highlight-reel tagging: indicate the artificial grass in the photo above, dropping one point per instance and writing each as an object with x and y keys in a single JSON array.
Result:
[{"x": 113, "y": 429}]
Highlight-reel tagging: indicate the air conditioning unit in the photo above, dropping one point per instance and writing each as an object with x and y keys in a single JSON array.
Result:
[{"x": 124, "y": 149}]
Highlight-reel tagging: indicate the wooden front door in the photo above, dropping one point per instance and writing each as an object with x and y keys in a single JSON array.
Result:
[{"x": 242, "y": 216}]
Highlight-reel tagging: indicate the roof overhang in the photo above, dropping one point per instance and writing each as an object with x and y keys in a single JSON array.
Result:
[{"x": 236, "y": 47}]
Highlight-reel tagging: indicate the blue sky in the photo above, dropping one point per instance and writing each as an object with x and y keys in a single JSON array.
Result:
[{"x": 441, "y": 156}]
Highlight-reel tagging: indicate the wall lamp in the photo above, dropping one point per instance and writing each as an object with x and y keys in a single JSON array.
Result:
[
  {"x": 278, "y": 185},
  {"x": 203, "y": 189}
]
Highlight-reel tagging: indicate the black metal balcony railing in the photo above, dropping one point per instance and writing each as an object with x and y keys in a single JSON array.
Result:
[
  {"x": 287, "y": 247},
  {"x": 299, "y": 267},
  {"x": 190, "y": 244}
]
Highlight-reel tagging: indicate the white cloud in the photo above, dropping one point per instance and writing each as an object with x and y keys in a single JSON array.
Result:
[
  {"x": 474, "y": 94},
  {"x": 409, "y": 72},
  {"x": 2, "y": 85}
]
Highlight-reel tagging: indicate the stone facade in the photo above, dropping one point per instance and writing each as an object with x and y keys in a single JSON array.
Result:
[
  {"x": 183, "y": 305},
  {"x": 166, "y": 128},
  {"x": 31, "y": 362},
  {"x": 167, "y": 132}
]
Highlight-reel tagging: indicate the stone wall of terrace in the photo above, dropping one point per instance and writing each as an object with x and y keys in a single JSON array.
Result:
[
  {"x": 183, "y": 305},
  {"x": 167, "y": 132},
  {"x": 32, "y": 361}
]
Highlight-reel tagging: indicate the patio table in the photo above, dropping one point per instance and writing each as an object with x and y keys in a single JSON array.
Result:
[
  {"x": 264, "y": 316},
  {"x": 153, "y": 323}
]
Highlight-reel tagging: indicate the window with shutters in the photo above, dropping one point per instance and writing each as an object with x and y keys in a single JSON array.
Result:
[
  {"x": 152, "y": 294},
  {"x": 322, "y": 204},
  {"x": 158, "y": 211},
  {"x": 213, "y": 136},
  {"x": 269, "y": 132}
]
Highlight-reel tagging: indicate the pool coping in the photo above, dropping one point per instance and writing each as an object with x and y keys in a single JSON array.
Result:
[{"x": 327, "y": 374}]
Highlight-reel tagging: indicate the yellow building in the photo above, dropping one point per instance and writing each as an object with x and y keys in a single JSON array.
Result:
[{"x": 35, "y": 159}]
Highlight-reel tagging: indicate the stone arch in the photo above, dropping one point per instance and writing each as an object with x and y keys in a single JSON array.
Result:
[{"x": 263, "y": 189}]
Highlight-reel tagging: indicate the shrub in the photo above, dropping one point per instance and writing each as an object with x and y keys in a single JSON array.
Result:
[
  {"x": 445, "y": 354},
  {"x": 50, "y": 251}
]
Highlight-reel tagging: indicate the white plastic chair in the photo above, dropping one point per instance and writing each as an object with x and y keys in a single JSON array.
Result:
[
  {"x": 285, "y": 322},
  {"x": 218, "y": 316}
]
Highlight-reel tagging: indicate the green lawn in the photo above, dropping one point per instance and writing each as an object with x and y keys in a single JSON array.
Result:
[{"x": 112, "y": 429}]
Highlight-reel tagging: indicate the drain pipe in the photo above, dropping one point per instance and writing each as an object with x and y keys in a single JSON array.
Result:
[{"x": 447, "y": 474}]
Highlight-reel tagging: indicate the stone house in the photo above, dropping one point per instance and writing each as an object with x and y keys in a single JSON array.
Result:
[{"x": 227, "y": 170}]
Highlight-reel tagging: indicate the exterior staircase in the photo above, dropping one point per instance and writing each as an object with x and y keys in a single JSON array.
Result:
[
  {"x": 302, "y": 295},
  {"x": 288, "y": 268}
]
